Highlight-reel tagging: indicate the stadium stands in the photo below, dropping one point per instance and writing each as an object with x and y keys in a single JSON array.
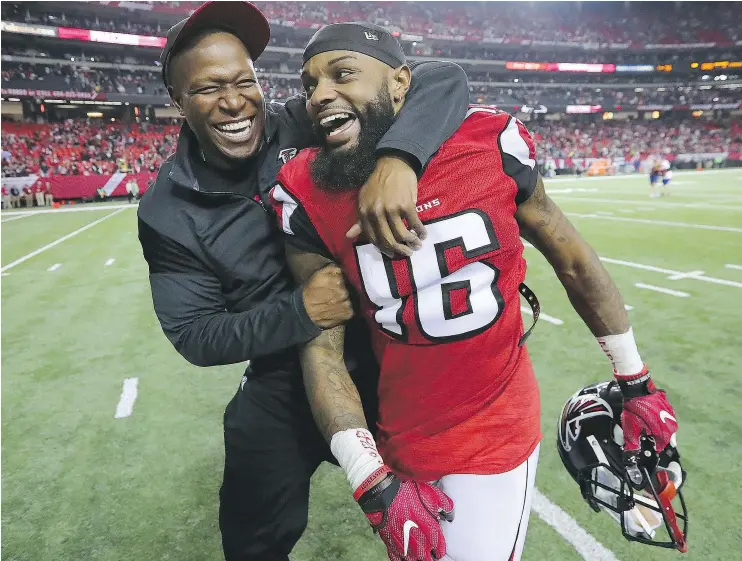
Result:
[
  {"x": 619, "y": 23},
  {"x": 652, "y": 65},
  {"x": 85, "y": 148}
]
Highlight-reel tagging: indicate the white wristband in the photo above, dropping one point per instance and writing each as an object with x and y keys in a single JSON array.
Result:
[
  {"x": 355, "y": 450},
  {"x": 621, "y": 350}
]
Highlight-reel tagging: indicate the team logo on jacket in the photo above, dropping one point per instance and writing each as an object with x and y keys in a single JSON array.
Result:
[{"x": 287, "y": 154}]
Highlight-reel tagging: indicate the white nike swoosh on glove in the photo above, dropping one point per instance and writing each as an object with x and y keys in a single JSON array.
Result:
[
  {"x": 406, "y": 529},
  {"x": 664, "y": 415}
]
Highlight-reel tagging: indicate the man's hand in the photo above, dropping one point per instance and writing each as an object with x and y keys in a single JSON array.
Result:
[
  {"x": 326, "y": 298},
  {"x": 646, "y": 413},
  {"x": 406, "y": 515},
  {"x": 389, "y": 197}
]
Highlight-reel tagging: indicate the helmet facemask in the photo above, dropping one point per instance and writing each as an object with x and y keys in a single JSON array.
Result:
[{"x": 640, "y": 509}]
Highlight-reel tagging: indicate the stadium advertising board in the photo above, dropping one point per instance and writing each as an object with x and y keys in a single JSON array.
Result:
[
  {"x": 22, "y": 92},
  {"x": 113, "y": 38},
  {"x": 634, "y": 68},
  {"x": 584, "y": 108},
  {"x": 26, "y": 29},
  {"x": 717, "y": 65},
  {"x": 560, "y": 67}
]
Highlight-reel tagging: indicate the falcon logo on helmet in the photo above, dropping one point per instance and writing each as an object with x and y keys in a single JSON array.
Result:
[
  {"x": 639, "y": 496},
  {"x": 577, "y": 410}
]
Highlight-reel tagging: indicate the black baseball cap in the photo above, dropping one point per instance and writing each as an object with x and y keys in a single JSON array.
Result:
[{"x": 243, "y": 19}]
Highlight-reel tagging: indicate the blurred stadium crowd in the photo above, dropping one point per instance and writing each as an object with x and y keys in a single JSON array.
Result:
[
  {"x": 475, "y": 34},
  {"x": 81, "y": 148},
  {"x": 590, "y": 23}
]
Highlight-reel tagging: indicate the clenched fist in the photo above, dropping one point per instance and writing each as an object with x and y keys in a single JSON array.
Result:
[{"x": 326, "y": 298}]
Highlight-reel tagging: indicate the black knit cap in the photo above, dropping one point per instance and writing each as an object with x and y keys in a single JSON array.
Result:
[{"x": 365, "y": 38}]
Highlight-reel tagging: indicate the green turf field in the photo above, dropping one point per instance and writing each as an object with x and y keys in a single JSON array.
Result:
[{"x": 78, "y": 484}]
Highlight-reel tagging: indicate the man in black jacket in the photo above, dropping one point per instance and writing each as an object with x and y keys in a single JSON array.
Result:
[{"x": 220, "y": 284}]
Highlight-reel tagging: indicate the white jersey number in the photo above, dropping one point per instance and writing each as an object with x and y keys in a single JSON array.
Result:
[{"x": 432, "y": 284}]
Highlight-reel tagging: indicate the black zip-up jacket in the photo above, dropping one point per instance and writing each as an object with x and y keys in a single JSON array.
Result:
[{"x": 220, "y": 283}]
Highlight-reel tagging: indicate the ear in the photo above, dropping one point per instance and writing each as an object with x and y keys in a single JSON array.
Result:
[
  {"x": 401, "y": 79},
  {"x": 177, "y": 102}
]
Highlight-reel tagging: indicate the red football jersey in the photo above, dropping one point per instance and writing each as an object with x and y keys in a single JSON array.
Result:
[{"x": 456, "y": 392}]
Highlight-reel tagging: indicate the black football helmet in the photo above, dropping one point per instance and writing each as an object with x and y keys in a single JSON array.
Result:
[{"x": 639, "y": 497}]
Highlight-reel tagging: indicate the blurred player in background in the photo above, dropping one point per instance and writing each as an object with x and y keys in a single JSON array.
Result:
[
  {"x": 666, "y": 174},
  {"x": 655, "y": 174}
]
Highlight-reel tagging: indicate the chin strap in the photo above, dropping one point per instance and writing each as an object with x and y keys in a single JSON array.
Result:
[{"x": 530, "y": 297}]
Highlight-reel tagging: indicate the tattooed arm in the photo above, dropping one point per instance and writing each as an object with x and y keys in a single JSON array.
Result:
[
  {"x": 590, "y": 288},
  {"x": 333, "y": 397}
]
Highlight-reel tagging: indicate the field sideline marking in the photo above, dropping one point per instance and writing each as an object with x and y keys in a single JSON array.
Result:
[
  {"x": 127, "y": 399},
  {"x": 83, "y": 207},
  {"x": 586, "y": 546},
  {"x": 59, "y": 241},
  {"x": 543, "y": 316},
  {"x": 677, "y": 293},
  {"x": 736, "y": 267},
  {"x": 16, "y": 216},
  {"x": 668, "y": 272},
  {"x": 656, "y": 222},
  {"x": 54, "y": 267}
]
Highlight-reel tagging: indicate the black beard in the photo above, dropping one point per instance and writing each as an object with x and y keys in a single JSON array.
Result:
[{"x": 346, "y": 169}]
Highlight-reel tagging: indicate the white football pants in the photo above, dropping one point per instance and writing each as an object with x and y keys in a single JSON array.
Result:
[{"x": 491, "y": 513}]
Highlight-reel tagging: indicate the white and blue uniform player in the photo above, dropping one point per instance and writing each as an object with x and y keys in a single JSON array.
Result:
[
  {"x": 666, "y": 173},
  {"x": 660, "y": 170}
]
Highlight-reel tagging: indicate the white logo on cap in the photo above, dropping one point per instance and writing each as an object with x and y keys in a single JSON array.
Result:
[{"x": 371, "y": 36}]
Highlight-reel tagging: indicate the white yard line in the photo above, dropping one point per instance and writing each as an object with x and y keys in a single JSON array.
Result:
[
  {"x": 688, "y": 275},
  {"x": 109, "y": 262},
  {"x": 572, "y": 190},
  {"x": 626, "y": 211},
  {"x": 677, "y": 293},
  {"x": 59, "y": 241},
  {"x": 735, "y": 267},
  {"x": 654, "y": 204},
  {"x": 604, "y": 212},
  {"x": 603, "y": 216},
  {"x": 642, "y": 176},
  {"x": 543, "y": 316},
  {"x": 668, "y": 272},
  {"x": 586, "y": 546},
  {"x": 127, "y": 399},
  {"x": 54, "y": 267},
  {"x": 6, "y": 218}
]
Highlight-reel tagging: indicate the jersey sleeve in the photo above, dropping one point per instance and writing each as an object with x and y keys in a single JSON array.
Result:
[
  {"x": 295, "y": 222},
  {"x": 518, "y": 153}
]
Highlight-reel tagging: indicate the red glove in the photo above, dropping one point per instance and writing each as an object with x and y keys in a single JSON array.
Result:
[
  {"x": 646, "y": 412},
  {"x": 406, "y": 514}
]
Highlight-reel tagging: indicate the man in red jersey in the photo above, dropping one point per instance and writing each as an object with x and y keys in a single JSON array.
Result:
[{"x": 458, "y": 400}]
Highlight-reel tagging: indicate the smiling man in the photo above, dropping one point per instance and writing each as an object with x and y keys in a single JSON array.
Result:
[
  {"x": 220, "y": 283},
  {"x": 458, "y": 401}
]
